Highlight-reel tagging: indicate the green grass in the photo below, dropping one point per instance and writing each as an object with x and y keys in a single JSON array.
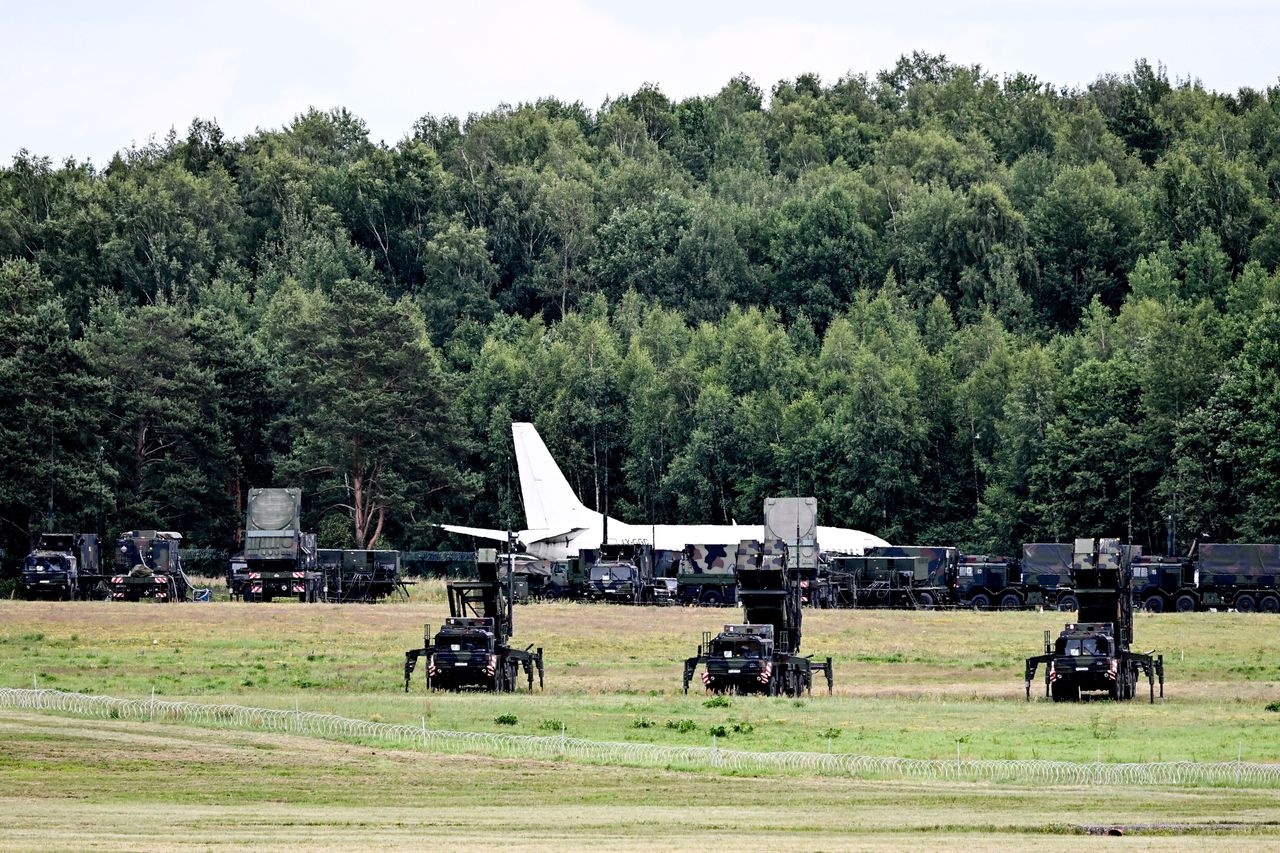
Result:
[
  {"x": 908, "y": 684},
  {"x": 69, "y": 784}
]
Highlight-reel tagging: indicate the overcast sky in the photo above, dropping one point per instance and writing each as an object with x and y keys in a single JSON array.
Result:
[{"x": 84, "y": 79}]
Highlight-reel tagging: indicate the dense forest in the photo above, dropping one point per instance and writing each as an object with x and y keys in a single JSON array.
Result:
[{"x": 959, "y": 308}]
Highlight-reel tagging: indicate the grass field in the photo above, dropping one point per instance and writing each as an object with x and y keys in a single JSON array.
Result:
[{"x": 907, "y": 684}]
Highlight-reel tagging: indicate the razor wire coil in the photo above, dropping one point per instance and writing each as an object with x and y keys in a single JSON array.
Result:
[{"x": 557, "y": 747}]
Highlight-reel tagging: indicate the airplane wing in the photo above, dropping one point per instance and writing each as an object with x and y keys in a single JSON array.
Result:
[
  {"x": 525, "y": 536},
  {"x": 481, "y": 532}
]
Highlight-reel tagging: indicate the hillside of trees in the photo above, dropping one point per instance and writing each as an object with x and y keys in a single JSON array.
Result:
[{"x": 957, "y": 307}]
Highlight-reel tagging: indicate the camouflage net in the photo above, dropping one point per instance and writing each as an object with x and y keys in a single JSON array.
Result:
[{"x": 331, "y": 726}]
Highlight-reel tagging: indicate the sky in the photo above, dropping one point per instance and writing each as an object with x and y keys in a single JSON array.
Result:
[{"x": 85, "y": 79}]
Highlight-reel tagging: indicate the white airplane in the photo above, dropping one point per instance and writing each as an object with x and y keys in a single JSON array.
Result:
[{"x": 560, "y": 525}]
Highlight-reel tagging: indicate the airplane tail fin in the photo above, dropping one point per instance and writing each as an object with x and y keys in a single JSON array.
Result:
[{"x": 549, "y": 500}]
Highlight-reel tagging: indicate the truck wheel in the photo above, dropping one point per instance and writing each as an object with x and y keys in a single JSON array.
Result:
[
  {"x": 1185, "y": 603},
  {"x": 712, "y": 598},
  {"x": 1068, "y": 604},
  {"x": 1245, "y": 603},
  {"x": 925, "y": 600},
  {"x": 1269, "y": 604},
  {"x": 981, "y": 601},
  {"x": 1153, "y": 604},
  {"x": 1010, "y": 601}
]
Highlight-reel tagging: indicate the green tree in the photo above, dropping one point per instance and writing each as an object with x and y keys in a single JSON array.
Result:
[
  {"x": 374, "y": 437},
  {"x": 49, "y": 441}
]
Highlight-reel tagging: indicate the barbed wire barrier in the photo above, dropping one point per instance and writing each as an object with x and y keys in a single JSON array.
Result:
[{"x": 714, "y": 758}]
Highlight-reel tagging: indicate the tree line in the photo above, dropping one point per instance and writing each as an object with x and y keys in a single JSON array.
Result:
[{"x": 956, "y": 307}]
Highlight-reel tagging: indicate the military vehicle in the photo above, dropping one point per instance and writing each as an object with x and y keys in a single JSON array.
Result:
[
  {"x": 279, "y": 560},
  {"x": 1162, "y": 583},
  {"x": 706, "y": 576},
  {"x": 62, "y": 566},
  {"x": 1045, "y": 580},
  {"x": 568, "y": 579},
  {"x": 794, "y": 521},
  {"x": 1240, "y": 576},
  {"x": 624, "y": 574},
  {"x": 1093, "y": 655},
  {"x": 902, "y": 576},
  {"x": 356, "y": 575},
  {"x": 147, "y": 565},
  {"x": 761, "y": 656},
  {"x": 982, "y": 579},
  {"x": 1039, "y": 579},
  {"x": 472, "y": 649}
]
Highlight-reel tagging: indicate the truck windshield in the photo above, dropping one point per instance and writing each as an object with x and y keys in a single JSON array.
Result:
[
  {"x": 739, "y": 649},
  {"x": 1086, "y": 646},
  {"x": 462, "y": 644},
  {"x": 605, "y": 572}
]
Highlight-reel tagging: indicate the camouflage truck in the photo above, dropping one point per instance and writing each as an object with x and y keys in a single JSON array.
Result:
[
  {"x": 794, "y": 521},
  {"x": 761, "y": 656},
  {"x": 1239, "y": 576},
  {"x": 472, "y": 650},
  {"x": 362, "y": 576},
  {"x": 1094, "y": 654},
  {"x": 147, "y": 565},
  {"x": 901, "y": 576},
  {"x": 279, "y": 560},
  {"x": 62, "y": 566},
  {"x": 1045, "y": 581},
  {"x": 706, "y": 576}
]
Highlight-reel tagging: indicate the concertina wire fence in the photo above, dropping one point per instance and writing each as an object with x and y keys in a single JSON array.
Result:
[{"x": 559, "y": 747}]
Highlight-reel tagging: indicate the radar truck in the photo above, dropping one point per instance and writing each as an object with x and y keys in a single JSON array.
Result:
[
  {"x": 794, "y": 522},
  {"x": 279, "y": 560},
  {"x": 147, "y": 565},
  {"x": 1094, "y": 655},
  {"x": 473, "y": 649},
  {"x": 62, "y": 566},
  {"x": 761, "y": 656}
]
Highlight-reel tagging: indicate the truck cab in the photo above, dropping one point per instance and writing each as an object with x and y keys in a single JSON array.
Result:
[
  {"x": 615, "y": 581},
  {"x": 740, "y": 660},
  {"x": 1085, "y": 661},
  {"x": 463, "y": 654},
  {"x": 49, "y": 574},
  {"x": 62, "y": 565}
]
